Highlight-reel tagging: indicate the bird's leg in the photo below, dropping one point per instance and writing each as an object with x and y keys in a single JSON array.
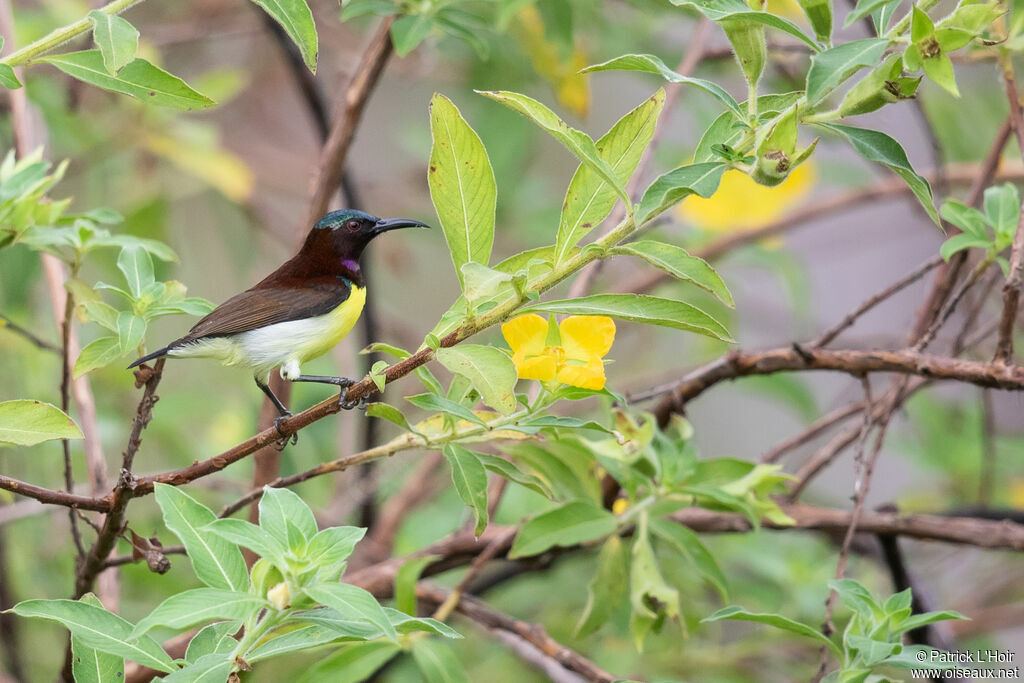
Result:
[
  {"x": 343, "y": 382},
  {"x": 283, "y": 412}
]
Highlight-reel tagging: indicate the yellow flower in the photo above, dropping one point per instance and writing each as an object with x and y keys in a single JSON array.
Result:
[
  {"x": 573, "y": 358},
  {"x": 620, "y": 505},
  {"x": 740, "y": 203}
]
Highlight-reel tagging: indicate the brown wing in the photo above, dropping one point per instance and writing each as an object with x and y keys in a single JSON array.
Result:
[{"x": 257, "y": 308}]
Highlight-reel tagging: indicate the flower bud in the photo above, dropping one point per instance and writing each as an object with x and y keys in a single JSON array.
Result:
[{"x": 279, "y": 596}]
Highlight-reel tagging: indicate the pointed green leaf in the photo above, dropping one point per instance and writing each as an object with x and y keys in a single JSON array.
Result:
[
  {"x": 470, "y": 480},
  {"x": 567, "y": 525},
  {"x": 278, "y": 506},
  {"x": 200, "y": 605},
  {"x": 24, "y": 422},
  {"x": 8, "y": 79},
  {"x": 96, "y": 354},
  {"x": 212, "y": 668},
  {"x": 964, "y": 217},
  {"x": 504, "y": 468},
  {"x": 940, "y": 70},
  {"x": 671, "y": 188},
  {"x": 355, "y": 602},
  {"x": 406, "y": 579},
  {"x": 677, "y": 262},
  {"x": 590, "y": 199},
  {"x": 687, "y": 543},
  {"x": 248, "y": 535},
  {"x": 89, "y": 665},
  {"x": 409, "y": 31},
  {"x": 97, "y": 628},
  {"x": 217, "y": 563},
  {"x": 654, "y": 65},
  {"x": 443, "y": 405},
  {"x": 139, "y": 78},
  {"x": 296, "y": 19},
  {"x": 737, "y": 10},
  {"x": 333, "y": 545},
  {"x": 130, "y": 330},
  {"x": 489, "y": 370},
  {"x": 876, "y": 146},
  {"x": 777, "y": 620},
  {"x": 606, "y": 588},
  {"x": 116, "y": 38},
  {"x": 1002, "y": 208},
  {"x": 959, "y": 243},
  {"x": 136, "y": 265},
  {"x": 576, "y": 141},
  {"x": 462, "y": 185},
  {"x": 213, "y": 639},
  {"x": 652, "y": 599},
  {"x": 437, "y": 663},
  {"x": 651, "y": 310},
  {"x": 832, "y": 67}
]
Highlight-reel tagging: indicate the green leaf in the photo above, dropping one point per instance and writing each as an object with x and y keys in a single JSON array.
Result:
[
  {"x": 688, "y": 543},
  {"x": 567, "y": 525},
  {"x": 651, "y": 310},
  {"x": 212, "y": 668},
  {"x": 654, "y": 65},
  {"x": 353, "y": 601},
  {"x": 968, "y": 219},
  {"x": 504, "y": 468},
  {"x": 736, "y": 613},
  {"x": 89, "y": 665},
  {"x": 437, "y": 662},
  {"x": 406, "y": 624},
  {"x": 443, "y": 405},
  {"x": 940, "y": 69},
  {"x": 590, "y": 199},
  {"x": 576, "y": 141},
  {"x": 470, "y": 480},
  {"x": 130, "y": 330},
  {"x": 919, "y": 620},
  {"x": 278, "y": 506},
  {"x": 960, "y": 242},
  {"x": 606, "y": 588},
  {"x": 296, "y": 19},
  {"x": 737, "y": 10},
  {"x": 99, "y": 629},
  {"x": 140, "y": 79},
  {"x": 388, "y": 412},
  {"x": 481, "y": 282},
  {"x": 876, "y": 146},
  {"x": 819, "y": 13},
  {"x": 116, "y": 38},
  {"x": 213, "y": 639},
  {"x": 136, "y": 265},
  {"x": 865, "y": 8},
  {"x": 671, "y": 188},
  {"x": 334, "y": 544},
  {"x": 409, "y": 31},
  {"x": 1002, "y": 208},
  {"x": 25, "y": 422},
  {"x": 406, "y": 579},
  {"x": 217, "y": 563},
  {"x": 832, "y": 67},
  {"x": 248, "y": 535},
  {"x": 96, "y": 354},
  {"x": 462, "y": 185},
  {"x": 489, "y": 370},
  {"x": 653, "y": 600},
  {"x": 304, "y": 637},
  {"x": 857, "y": 598},
  {"x": 677, "y": 262},
  {"x": 200, "y": 605},
  {"x": 8, "y": 78},
  {"x": 352, "y": 663}
]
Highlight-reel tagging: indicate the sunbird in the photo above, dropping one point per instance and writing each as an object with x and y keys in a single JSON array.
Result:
[{"x": 297, "y": 313}]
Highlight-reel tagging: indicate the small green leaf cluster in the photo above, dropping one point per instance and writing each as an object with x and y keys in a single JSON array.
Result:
[
  {"x": 291, "y": 600},
  {"x": 991, "y": 230},
  {"x": 659, "y": 474},
  {"x": 872, "y": 641},
  {"x": 419, "y": 19},
  {"x": 24, "y": 184}
]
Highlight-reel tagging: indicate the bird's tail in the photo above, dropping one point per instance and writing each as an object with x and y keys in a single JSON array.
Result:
[{"x": 155, "y": 354}]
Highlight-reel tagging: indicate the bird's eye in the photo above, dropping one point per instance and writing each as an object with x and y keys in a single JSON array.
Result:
[{"x": 353, "y": 225}]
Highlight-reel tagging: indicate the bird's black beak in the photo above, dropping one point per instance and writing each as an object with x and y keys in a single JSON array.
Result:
[{"x": 385, "y": 224}]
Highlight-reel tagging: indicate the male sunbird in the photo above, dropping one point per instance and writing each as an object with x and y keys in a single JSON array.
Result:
[{"x": 297, "y": 313}]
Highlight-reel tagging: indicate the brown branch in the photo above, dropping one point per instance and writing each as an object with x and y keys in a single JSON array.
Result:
[
  {"x": 813, "y": 430},
  {"x": 52, "y": 497},
  {"x": 1011, "y": 296},
  {"x": 95, "y": 560},
  {"x": 493, "y": 620}
]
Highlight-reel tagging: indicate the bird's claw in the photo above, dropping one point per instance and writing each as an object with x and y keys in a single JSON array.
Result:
[
  {"x": 345, "y": 404},
  {"x": 283, "y": 441}
]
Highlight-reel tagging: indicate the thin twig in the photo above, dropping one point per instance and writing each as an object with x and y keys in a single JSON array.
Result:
[
  {"x": 813, "y": 430},
  {"x": 8, "y": 324}
]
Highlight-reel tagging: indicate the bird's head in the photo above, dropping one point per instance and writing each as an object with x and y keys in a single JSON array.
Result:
[{"x": 349, "y": 231}]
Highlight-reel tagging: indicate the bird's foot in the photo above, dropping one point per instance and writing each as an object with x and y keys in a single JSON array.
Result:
[
  {"x": 283, "y": 441},
  {"x": 345, "y": 404}
]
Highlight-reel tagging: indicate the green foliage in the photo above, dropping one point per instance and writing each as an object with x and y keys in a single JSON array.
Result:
[
  {"x": 117, "y": 40},
  {"x": 872, "y": 639},
  {"x": 991, "y": 230},
  {"x": 26, "y": 423},
  {"x": 296, "y": 19}
]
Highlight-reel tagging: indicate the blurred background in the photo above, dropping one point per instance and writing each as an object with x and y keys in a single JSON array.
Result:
[{"x": 227, "y": 189}]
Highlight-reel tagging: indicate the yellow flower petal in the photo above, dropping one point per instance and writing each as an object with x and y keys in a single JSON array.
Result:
[
  {"x": 741, "y": 204},
  {"x": 541, "y": 367},
  {"x": 589, "y": 376},
  {"x": 526, "y": 333},
  {"x": 586, "y": 336}
]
